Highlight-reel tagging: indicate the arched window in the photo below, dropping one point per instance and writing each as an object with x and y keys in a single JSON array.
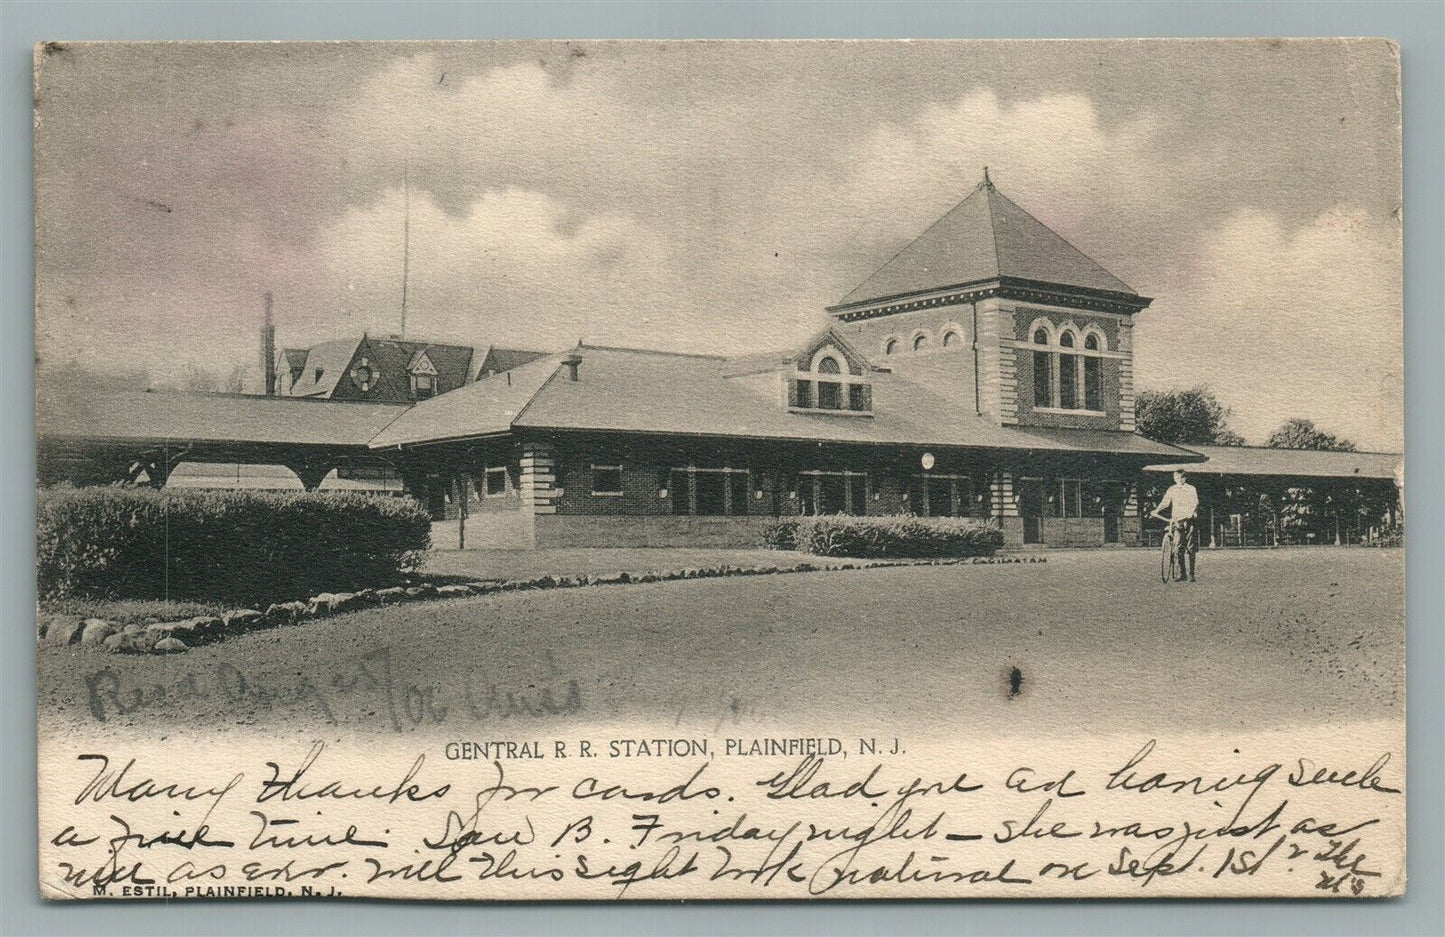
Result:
[
  {"x": 830, "y": 393},
  {"x": 1093, "y": 391},
  {"x": 919, "y": 343},
  {"x": 1043, "y": 372},
  {"x": 829, "y": 382},
  {"x": 950, "y": 339},
  {"x": 1068, "y": 374},
  {"x": 890, "y": 346}
]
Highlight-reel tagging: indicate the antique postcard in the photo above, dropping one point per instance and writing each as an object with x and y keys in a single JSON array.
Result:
[{"x": 663, "y": 470}]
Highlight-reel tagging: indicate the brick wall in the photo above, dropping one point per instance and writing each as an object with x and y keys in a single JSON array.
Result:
[
  {"x": 871, "y": 335},
  {"x": 1073, "y": 531},
  {"x": 560, "y": 531}
]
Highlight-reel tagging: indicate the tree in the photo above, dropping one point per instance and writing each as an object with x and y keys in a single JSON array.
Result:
[
  {"x": 1184, "y": 417},
  {"x": 1303, "y": 434}
]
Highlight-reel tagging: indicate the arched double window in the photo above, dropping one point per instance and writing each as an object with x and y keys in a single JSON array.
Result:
[{"x": 1068, "y": 373}]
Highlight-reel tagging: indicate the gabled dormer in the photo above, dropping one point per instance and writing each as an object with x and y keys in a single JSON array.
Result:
[
  {"x": 826, "y": 376},
  {"x": 830, "y": 377},
  {"x": 422, "y": 374}
]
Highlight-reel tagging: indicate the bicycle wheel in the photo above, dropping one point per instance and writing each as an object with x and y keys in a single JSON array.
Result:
[{"x": 1166, "y": 558}]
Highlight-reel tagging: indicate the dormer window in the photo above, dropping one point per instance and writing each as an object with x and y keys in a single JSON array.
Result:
[
  {"x": 363, "y": 374},
  {"x": 423, "y": 375},
  {"x": 830, "y": 393},
  {"x": 830, "y": 385}
]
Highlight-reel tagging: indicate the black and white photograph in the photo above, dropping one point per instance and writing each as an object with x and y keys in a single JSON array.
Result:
[{"x": 699, "y": 469}]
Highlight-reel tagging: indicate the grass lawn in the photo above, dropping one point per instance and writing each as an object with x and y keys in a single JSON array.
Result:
[{"x": 1265, "y": 638}]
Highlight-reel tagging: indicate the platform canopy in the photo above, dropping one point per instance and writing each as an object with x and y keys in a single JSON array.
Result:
[
  {"x": 1247, "y": 461},
  {"x": 118, "y": 435}
]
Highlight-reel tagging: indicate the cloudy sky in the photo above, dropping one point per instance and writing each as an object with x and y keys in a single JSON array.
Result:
[{"x": 716, "y": 196}]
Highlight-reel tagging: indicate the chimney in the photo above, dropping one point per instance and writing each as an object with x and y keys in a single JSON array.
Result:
[
  {"x": 268, "y": 349},
  {"x": 573, "y": 362}
]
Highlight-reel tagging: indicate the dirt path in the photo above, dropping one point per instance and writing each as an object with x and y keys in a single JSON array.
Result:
[{"x": 1265, "y": 638}]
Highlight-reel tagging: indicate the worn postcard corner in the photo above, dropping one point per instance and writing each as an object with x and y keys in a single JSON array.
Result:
[{"x": 627, "y": 470}]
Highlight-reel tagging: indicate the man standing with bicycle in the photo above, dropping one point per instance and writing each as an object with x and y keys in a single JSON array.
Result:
[{"x": 1182, "y": 502}]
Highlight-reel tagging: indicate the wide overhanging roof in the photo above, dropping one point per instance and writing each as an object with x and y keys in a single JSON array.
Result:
[
  {"x": 1306, "y": 463},
  {"x": 618, "y": 390},
  {"x": 227, "y": 419},
  {"x": 632, "y": 391}
]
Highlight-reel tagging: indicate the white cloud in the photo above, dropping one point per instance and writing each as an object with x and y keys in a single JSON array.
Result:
[
  {"x": 518, "y": 266},
  {"x": 1286, "y": 323}
]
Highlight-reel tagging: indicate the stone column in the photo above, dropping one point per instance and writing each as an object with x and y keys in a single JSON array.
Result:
[
  {"x": 538, "y": 486},
  {"x": 1001, "y": 496},
  {"x": 1126, "y": 375}
]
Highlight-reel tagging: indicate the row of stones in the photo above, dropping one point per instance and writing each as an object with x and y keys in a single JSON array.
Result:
[{"x": 173, "y": 637}]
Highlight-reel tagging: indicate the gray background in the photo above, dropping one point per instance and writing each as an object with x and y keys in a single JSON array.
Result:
[{"x": 1420, "y": 29}]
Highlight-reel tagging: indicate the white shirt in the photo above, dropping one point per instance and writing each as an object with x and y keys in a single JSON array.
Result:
[{"x": 1182, "y": 500}]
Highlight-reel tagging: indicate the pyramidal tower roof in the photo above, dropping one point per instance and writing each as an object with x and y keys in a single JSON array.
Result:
[{"x": 983, "y": 238}]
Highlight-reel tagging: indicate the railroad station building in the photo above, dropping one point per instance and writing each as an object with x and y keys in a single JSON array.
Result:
[{"x": 986, "y": 370}]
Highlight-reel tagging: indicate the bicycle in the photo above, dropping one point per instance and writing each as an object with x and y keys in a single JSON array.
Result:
[{"x": 1169, "y": 562}]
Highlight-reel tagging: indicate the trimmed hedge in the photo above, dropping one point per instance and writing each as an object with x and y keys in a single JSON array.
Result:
[
  {"x": 781, "y": 535},
  {"x": 232, "y": 546},
  {"x": 902, "y": 536}
]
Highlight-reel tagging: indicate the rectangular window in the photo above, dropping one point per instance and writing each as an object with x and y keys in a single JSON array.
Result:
[
  {"x": 1068, "y": 501},
  {"x": 423, "y": 386},
  {"x": 805, "y": 394},
  {"x": 858, "y": 489},
  {"x": 1043, "y": 391},
  {"x": 740, "y": 490},
  {"x": 858, "y": 398},
  {"x": 963, "y": 490},
  {"x": 807, "y": 504},
  {"x": 830, "y": 395},
  {"x": 1093, "y": 398},
  {"x": 832, "y": 494},
  {"x": 607, "y": 480},
  {"x": 680, "y": 491},
  {"x": 940, "y": 497},
  {"x": 1068, "y": 382},
  {"x": 496, "y": 482},
  {"x": 710, "y": 496}
]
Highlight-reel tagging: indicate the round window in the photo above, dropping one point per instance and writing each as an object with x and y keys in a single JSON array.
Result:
[{"x": 363, "y": 376}]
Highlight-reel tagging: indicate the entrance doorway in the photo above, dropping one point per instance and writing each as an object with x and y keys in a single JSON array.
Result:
[
  {"x": 436, "y": 497},
  {"x": 1031, "y": 508},
  {"x": 1112, "y": 498}
]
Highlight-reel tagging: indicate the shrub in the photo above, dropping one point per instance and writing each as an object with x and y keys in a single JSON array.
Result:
[
  {"x": 1393, "y": 537},
  {"x": 781, "y": 535},
  {"x": 898, "y": 536},
  {"x": 230, "y": 546}
]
